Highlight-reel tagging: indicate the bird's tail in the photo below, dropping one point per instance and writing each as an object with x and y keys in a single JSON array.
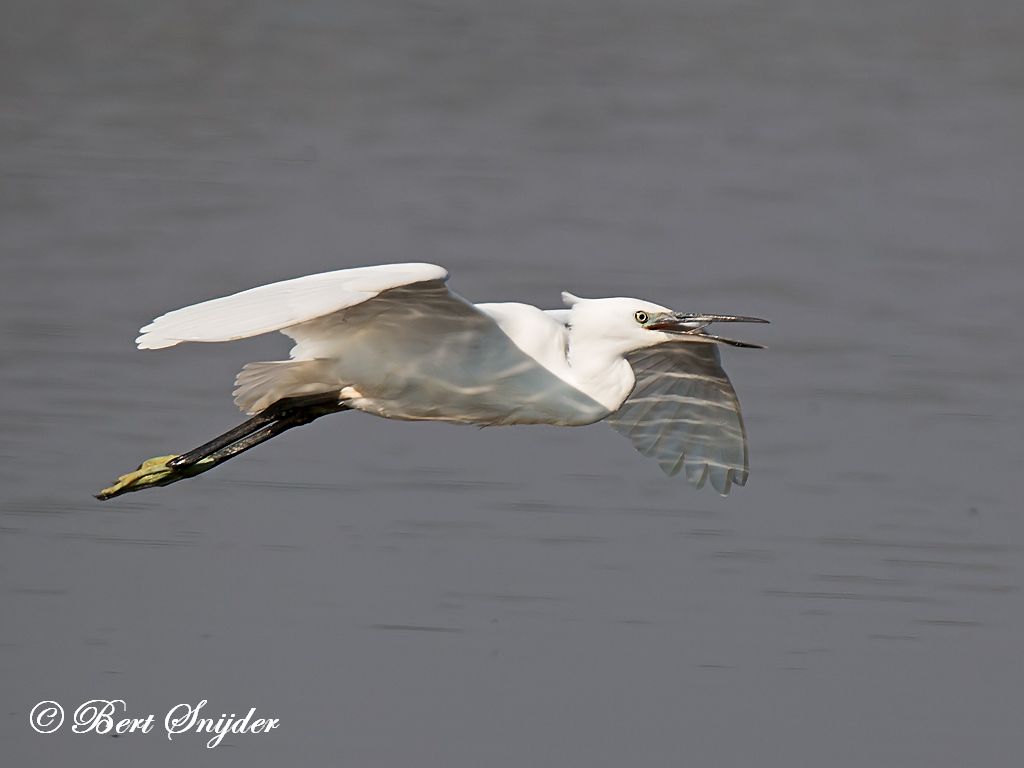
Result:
[{"x": 258, "y": 385}]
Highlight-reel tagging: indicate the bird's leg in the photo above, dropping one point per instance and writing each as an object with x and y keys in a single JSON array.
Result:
[
  {"x": 291, "y": 414},
  {"x": 287, "y": 408},
  {"x": 283, "y": 415},
  {"x": 219, "y": 442}
]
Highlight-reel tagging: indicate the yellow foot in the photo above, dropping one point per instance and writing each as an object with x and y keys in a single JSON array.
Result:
[{"x": 153, "y": 473}]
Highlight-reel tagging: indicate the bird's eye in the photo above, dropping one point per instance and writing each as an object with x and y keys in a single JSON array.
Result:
[{"x": 641, "y": 317}]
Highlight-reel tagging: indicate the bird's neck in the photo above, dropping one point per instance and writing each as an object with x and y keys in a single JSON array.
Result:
[{"x": 600, "y": 372}]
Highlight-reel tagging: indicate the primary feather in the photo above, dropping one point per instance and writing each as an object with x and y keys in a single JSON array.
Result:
[
  {"x": 280, "y": 305},
  {"x": 684, "y": 412}
]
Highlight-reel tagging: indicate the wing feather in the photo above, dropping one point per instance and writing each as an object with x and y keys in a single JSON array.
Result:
[
  {"x": 684, "y": 412},
  {"x": 281, "y": 305}
]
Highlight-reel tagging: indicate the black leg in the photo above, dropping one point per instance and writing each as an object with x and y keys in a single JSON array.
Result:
[
  {"x": 284, "y": 408},
  {"x": 204, "y": 450},
  {"x": 293, "y": 417},
  {"x": 281, "y": 416}
]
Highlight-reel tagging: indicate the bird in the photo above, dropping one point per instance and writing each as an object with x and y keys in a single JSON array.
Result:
[{"x": 394, "y": 341}]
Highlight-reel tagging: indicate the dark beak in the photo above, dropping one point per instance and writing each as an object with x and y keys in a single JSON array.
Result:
[{"x": 695, "y": 324}]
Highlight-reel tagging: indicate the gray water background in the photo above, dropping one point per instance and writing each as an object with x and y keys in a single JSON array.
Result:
[{"x": 440, "y": 596}]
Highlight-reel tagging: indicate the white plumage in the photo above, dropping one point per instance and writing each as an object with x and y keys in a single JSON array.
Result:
[
  {"x": 392, "y": 340},
  {"x": 280, "y": 305}
]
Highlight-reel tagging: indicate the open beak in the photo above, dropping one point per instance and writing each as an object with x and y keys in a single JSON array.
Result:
[{"x": 696, "y": 323}]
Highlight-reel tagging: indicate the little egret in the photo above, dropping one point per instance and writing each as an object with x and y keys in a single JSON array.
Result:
[{"x": 393, "y": 341}]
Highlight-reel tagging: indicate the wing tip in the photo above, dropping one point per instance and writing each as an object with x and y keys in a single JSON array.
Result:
[
  {"x": 150, "y": 340},
  {"x": 154, "y": 335},
  {"x": 699, "y": 472}
]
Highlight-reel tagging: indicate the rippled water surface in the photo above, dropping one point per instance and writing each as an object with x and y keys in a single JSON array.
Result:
[{"x": 440, "y": 596}]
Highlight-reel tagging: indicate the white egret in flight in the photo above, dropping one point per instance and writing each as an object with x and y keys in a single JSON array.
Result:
[{"x": 393, "y": 341}]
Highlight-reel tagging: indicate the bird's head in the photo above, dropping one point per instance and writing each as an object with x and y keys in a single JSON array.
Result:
[{"x": 631, "y": 324}]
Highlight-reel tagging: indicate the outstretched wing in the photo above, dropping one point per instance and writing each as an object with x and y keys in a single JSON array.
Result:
[
  {"x": 348, "y": 312},
  {"x": 285, "y": 304},
  {"x": 684, "y": 412}
]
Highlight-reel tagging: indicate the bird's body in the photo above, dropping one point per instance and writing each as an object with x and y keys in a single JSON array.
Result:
[
  {"x": 487, "y": 365},
  {"x": 393, "y": 341}
]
